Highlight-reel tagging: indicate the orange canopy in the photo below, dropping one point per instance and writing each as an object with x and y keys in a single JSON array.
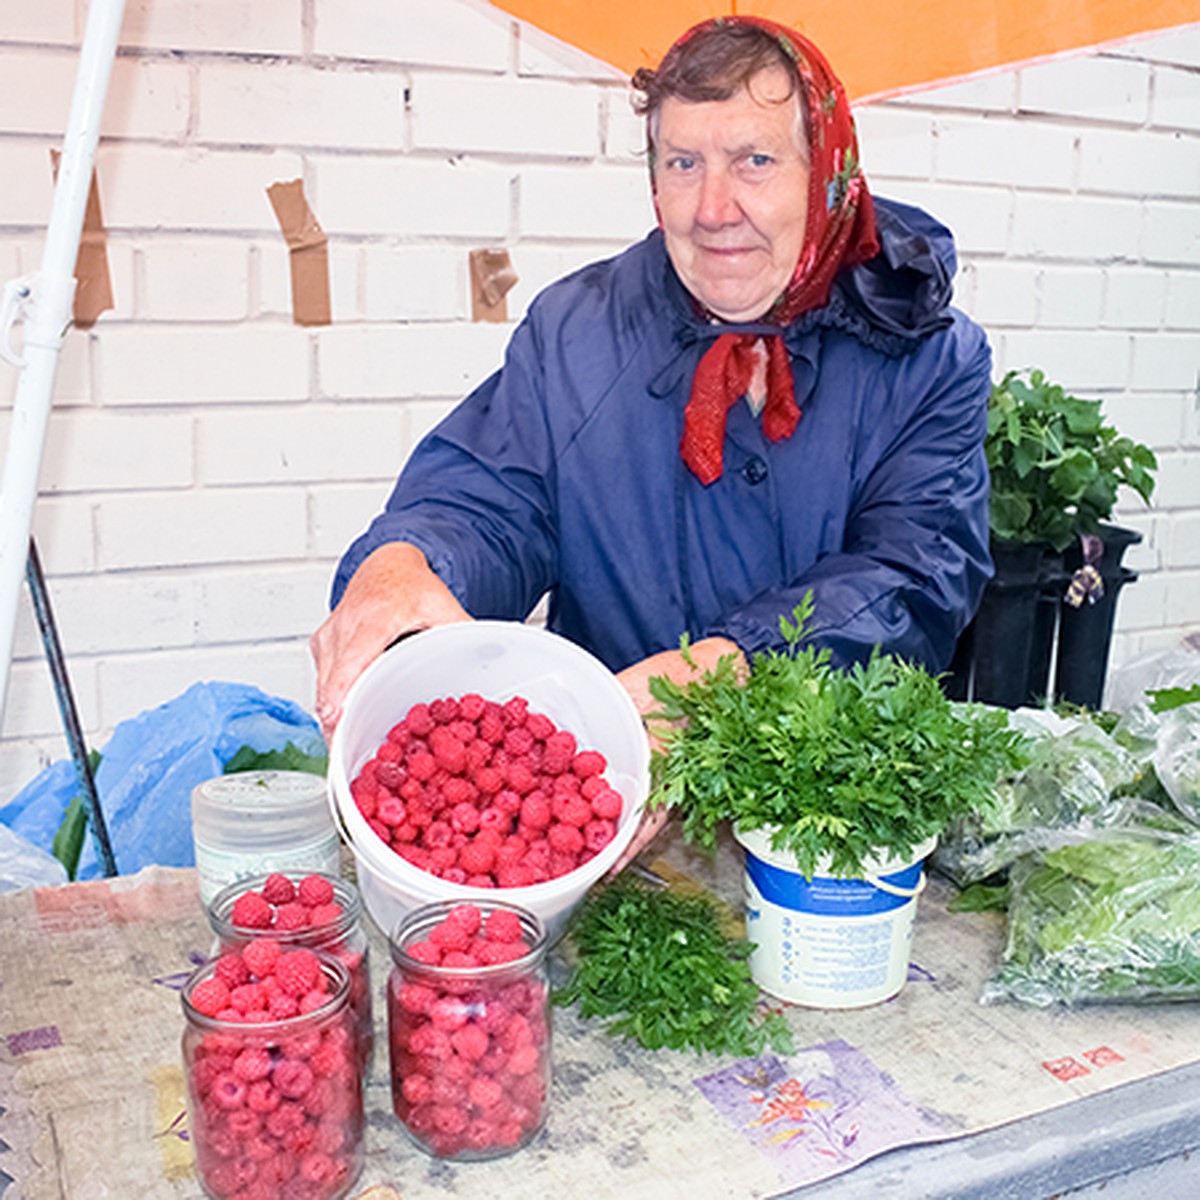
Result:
[{"x": 877, "y": 47}]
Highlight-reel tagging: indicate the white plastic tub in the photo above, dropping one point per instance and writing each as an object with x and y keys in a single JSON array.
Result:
[
  {"x": 829, "y": 941},
  {"x": 498, "y": 660}
]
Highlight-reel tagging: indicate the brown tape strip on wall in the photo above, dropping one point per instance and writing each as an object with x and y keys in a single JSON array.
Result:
[
  {"x": 308, "y": 251},
  {"x": 93, "y": 282},
  {"x": 492, "y": 278}
]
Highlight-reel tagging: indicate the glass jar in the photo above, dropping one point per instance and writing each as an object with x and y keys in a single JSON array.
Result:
[
  {"x": 275, "y": 1106},
  {"x": 470, "y": 1045},
  {"x": 340, "y": 934}
]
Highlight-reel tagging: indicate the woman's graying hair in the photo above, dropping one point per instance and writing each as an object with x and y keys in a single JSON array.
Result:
[{"x": 715, "y": 63}]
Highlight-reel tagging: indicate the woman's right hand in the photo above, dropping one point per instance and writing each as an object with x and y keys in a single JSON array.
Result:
[{"x": 392, "y": 593}]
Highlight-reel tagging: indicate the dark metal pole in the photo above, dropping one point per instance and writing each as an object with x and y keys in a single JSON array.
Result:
[{"x": 66, "y": 706}]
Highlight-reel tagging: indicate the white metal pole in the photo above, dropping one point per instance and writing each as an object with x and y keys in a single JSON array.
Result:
[{"x": 45, "y": 300}]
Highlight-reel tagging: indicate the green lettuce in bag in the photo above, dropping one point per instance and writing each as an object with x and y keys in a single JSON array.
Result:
[{"x": 1114, "y": 918}]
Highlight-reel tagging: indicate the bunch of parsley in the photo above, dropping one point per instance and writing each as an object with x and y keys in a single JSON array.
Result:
[
  {"x": 656, "y": 964},
  {"x": 841, "y": 765}
]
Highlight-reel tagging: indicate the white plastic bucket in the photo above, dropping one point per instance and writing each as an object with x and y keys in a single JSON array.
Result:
[
  {"x": 832, "y": 941},
  {"x": 498, "y": 660}
]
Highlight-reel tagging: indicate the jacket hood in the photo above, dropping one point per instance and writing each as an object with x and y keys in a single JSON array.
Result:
[{"x": 902, "y": 294}]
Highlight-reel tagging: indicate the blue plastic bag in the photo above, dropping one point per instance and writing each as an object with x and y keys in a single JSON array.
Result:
[{"x": 150, "y": 766}]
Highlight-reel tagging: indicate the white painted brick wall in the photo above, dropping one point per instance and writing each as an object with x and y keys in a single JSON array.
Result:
[
  {"x": 505, "y": 116},
  {"x": 240, "y": 105},
  {"x": 207, "y": 461}
]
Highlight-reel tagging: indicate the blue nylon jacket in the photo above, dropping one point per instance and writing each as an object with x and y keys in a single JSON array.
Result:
[{"x": 561, "y": 473}]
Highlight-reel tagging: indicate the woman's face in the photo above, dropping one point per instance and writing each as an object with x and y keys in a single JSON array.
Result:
[{"x": 731, "y": 180}]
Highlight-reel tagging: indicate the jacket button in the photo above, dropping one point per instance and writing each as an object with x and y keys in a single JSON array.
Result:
[{"x": 755, "y": 471}]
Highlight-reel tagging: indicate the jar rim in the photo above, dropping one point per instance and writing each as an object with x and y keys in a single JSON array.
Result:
[
  {"x": 338, "y": 999},
  {"x": 424, "y": 918},
  {"x": 220, "y": 909}
]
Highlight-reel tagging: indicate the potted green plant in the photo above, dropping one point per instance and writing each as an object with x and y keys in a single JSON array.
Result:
[
  {"x": 1056, "y": 471},
  {"x": 836, "y": 783}
]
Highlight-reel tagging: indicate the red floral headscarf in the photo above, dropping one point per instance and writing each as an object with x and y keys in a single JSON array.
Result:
[{"x": 840, "y": 232}]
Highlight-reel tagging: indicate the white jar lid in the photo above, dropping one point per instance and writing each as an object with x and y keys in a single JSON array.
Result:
[{"x": 261, "y": 809}]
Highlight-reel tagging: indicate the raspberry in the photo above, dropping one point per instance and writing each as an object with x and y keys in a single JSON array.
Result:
[
  {"x": 278, "y": 889},
  {"x": 464, "y": 818},
  {"x": 539, "y": 725},
  {"x": 523, "y": 1059},
  {"x": 493, "y": 953},
  {"x": 606, "y": 803},
  {"x": 283, "y": 1006},
  {"x": 289, "y": 917},
  {"x": 298, "y": 971},
  {"x": 261, "y": 1097},
  {"x": 390, "y": 810},
  {"x": 417, "y": 1089},
  {"x": 491, "y": 727},
  {"x": 457, "y": 791},
  {"x": 248, "y": 997},
  {"x": 318, "y": 1167},
  {"x": 251, "y": 911},
  {"x": 535, "y": 810},
  {"x": 471, "y": 707},
  {"x": 322, "y": 915},
  {"x": 477, "y": 858},
  {"x": 419, "y": 720},
  {"x": 484, "y": 1092},
  {"x": 209, "y": 996},
  {"x": 314, "y": 890},
  {"x": 587, "y": 763},
  {"x": 444, "y": 710},
  {"x": 449, "y": 1013},
  {"x": 565, "y": 839},
  {"x": 425, "y": 952},
  {"x": 466, "y": 916},
  {"x": 448, "y": 751},
  {"x": 292, "y": 1078},
  {"x": 390, "y": 775},
  {"x": 228, "y": 1091},
  {"x": 489, "y": 780},
  {"x": 450, "y": 936},
  {"x": 422, "y": 765},
  {"x": 597, "y": 834},
  {"x": 470, "y": 1042},
  {"x": 520, "y": 777},
  {"x": 503, "y": 925},
  {"x": 261, "y": 955},
  {"x": 518, "y": 741},
  {"x": 252, "y": 1064}
]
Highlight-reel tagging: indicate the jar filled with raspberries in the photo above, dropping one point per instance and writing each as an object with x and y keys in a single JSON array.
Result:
[
  {"x": 469, "y": 1028},
  {"x": 275, "y": 1102},
  {"x": 319, "y": 911}
]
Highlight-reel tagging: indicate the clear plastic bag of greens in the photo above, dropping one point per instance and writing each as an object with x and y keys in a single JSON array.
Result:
[
  {"x": 1078, "y": 778},
  {"x": 1177, "y": 759},
  {"x": 1111, "y": 918}
]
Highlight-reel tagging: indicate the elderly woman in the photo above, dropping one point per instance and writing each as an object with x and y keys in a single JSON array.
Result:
[{"x": 767, "y": 396}]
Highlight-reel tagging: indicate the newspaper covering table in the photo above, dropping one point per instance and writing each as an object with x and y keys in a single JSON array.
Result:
[{"x": 92, "y": 1097}]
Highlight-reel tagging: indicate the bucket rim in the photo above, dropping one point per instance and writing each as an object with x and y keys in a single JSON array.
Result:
[{"x": 757, "y": 842}]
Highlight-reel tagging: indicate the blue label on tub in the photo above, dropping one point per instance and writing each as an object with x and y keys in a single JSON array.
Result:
[{"x": 827, "y": 896}]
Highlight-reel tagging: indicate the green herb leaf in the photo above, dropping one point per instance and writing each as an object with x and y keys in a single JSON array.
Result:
[
  {"x": 657, "y": 967},
  {"x": 1055, "y": 468}
]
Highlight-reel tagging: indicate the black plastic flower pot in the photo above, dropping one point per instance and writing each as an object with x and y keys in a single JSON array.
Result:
[
  {"x": 1002, "y": 633},
  {"x": 1085, "y": 632}
]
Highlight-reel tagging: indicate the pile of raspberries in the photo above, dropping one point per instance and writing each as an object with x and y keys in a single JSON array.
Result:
[{"x": 487, "y": 794}]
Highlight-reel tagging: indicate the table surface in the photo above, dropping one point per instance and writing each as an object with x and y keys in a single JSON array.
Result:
[{"x": 930, "y": 1094}]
